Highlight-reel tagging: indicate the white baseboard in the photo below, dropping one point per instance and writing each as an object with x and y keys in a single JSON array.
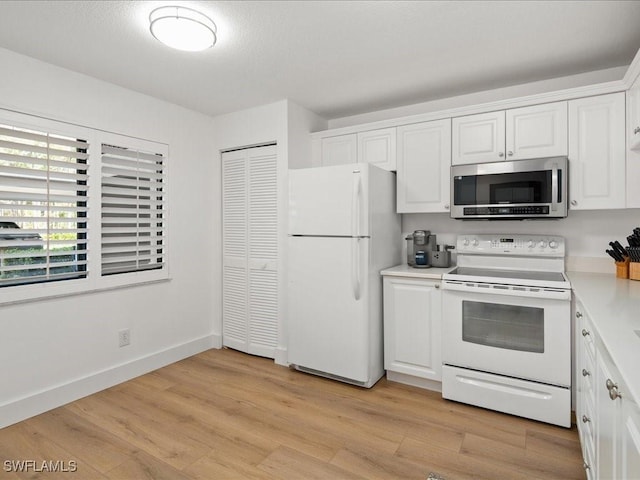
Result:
[
  {"x": 27, "y": 407},
  {"x": 281, "y": 357},
  {"x": 414, "y": 381}
]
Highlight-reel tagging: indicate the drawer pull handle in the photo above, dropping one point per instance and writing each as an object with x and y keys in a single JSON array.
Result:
[
  {"x": 578, "y": 315},
  {"x": 585, "y": 372},
  {"x": 614, "y": 393},
  {"x": 585, "y": 419},
  {"x": 585, "y": 332},
  {"x": 613, "y": 389},
  {"x": 586, "y": 466}
]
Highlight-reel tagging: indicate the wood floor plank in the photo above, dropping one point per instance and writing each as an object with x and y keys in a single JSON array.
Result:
[
  {"x": 23, "y": 442},
  {"x": 142, "y": 466},
  {"x": 452, "y": 466},
  {"x": 537, "y": 466},
  {"x": 159, "y": 439},
  {"x": 376, "y": 466},
  {"x": 90, "y": 445},
  {"x": 287, "y": 463},
  {"x": 226, "y": 415}
]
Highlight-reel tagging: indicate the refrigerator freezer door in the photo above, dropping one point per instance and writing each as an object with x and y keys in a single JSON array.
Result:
[
  {"x": 329, "y": 327},
  {"x": 329, "y": 201}
]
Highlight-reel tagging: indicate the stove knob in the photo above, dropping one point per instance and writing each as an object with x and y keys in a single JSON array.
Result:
[
  {"x": 553, "y": 244},
  {"x": 465, "y": 242},
  {"x": 531, "y": 243},
  {"x": 474, "y": 242},
  {"x": 543, "y": 243}
]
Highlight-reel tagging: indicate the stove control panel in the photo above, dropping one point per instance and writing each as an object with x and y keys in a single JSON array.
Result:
[{"x": 506, "y": 244}]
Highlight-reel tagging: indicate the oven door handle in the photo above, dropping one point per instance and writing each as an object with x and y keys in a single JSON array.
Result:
[
  {"x": 554, "y": 187},
  {"x": 508, "y": 290}
]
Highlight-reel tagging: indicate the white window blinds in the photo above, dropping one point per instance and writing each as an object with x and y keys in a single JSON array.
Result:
[
  {"x": 133, "y": 210},
  {"x": 43, "y": 206}
]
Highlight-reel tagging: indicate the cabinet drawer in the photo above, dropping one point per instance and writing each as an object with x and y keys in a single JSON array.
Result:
[
  {"x": 587, "y": 334},
  {"x": 586, "y": 376}
]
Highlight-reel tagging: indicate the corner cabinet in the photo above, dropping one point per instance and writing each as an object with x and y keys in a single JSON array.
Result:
[
  {"x": 608, "y": 418},
  {"x": 515, "y": 134},
  {"x": 424, "y": 161},
  {"x": 597, "y": 152},
  {"x": 412, "y": 330}
]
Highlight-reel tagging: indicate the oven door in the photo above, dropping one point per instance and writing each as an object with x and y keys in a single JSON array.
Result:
[{"x": 517, "y": 336}]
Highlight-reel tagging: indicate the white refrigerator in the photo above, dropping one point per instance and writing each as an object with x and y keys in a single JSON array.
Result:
[{"x": 343, "y": 229}]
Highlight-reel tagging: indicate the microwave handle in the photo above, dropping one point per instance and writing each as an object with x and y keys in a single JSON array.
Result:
[{"x": 554, "y": 187}]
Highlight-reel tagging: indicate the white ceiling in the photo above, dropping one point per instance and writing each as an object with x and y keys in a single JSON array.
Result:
[{"x": 337, "y": 58}]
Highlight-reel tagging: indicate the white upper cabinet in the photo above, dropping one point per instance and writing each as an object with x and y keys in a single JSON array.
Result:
[
  {"x": 378, "y": 147},
  {"x": 516, "y": 134},
  {"x": 537, "y": 131},
  {"x": 633, "y": 105},
  {"x": 339, "y": 150},
  {"x": 597, "y": 152},
  {"x": 424, "y": 160},
  {"x": 478, "y": 138}
]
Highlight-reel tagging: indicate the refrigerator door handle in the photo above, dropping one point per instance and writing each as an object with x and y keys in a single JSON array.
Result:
[
  {"x": 355, "y": 204},
  {"x": 355, "y": 267}
]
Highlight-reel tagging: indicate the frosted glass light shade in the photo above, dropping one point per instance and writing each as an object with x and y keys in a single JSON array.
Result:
[{"x": 182, "y": 28}]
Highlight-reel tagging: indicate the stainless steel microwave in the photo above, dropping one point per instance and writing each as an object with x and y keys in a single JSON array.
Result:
[{"x": 517, "y": 189}]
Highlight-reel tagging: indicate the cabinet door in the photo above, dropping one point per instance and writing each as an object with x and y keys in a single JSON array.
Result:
[
  {"x": 633, "y": 105},
  {"x": 339, "y": 150},
  {"x": 478, "y": 138},
  {"x": 630, "y": 440},
  {"x": 607, "y": 417},
  {"x": 537, "y": 131},
  {"x": 378, "y": 147},
  {"x": 597, "y": 152},
  {"x": 424, "y": 161},
  {"x": 412, "y": 327}
]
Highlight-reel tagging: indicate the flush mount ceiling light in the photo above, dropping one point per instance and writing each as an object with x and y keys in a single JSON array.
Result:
[{"x": 182, "y": 28}]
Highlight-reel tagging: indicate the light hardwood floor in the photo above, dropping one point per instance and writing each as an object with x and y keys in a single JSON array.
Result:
[{"x": 226, "y": 415}]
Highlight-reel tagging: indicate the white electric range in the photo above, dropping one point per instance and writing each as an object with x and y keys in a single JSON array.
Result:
[{"x": 507, "y": 326}]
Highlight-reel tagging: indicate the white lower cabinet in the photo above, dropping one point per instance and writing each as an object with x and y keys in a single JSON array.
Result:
[
  {"x": 412, "y": 330},
  {"x": 608, "y": 418}
]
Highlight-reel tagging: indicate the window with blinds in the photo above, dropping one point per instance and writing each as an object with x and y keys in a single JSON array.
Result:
[
  {"x": 43, "y": 206},
  {"x": 133, "y": 212}
]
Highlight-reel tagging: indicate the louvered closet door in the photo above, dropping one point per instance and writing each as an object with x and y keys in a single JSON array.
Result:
[{"x": 250, "y": 275}]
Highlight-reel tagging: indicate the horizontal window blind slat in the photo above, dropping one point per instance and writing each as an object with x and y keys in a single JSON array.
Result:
[
  {"x": 40, "y": 137},
  {"x": 27, "y": 150},
  {"x": 128, "y": 153},
  {"x": 109, "y": 172},
  {"x": 7, "y": 157}
]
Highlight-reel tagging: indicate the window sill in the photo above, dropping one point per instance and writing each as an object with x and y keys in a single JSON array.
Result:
[{"x": 67, "y": 288}]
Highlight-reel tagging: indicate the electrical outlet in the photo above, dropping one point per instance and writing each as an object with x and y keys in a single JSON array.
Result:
[{"x": 124, "y": 337}]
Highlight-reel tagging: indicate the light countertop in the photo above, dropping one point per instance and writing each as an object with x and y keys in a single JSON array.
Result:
[
  {"x": 406, "y": 271},
  {"x": 613, "y": 305}
]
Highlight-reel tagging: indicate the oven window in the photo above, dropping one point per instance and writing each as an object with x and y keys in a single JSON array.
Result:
[{"x": 503, "y": 326}]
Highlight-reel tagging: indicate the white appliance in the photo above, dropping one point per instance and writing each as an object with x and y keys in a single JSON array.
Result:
[
  {"x": 343, "y": 229},
  {"x": 507, "y": 326}
]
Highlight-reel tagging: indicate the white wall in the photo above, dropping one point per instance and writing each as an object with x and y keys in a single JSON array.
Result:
[
  {"x": 587, "y": 233},
  {"x": 478, "y": 98},
  {"x": 53, "y": 351}
]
